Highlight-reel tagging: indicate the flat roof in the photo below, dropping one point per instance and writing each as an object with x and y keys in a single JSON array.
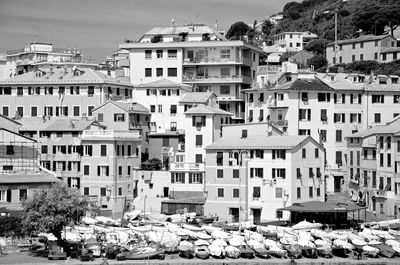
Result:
[
  {"x": 323, "y": 207},
  {"x": 27, "y": 178}
]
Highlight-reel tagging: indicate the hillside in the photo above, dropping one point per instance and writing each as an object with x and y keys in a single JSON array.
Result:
[{"x": 317, "y": 16}]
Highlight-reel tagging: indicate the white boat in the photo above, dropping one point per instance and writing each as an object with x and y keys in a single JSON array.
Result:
[
  {"x": 370, "y": 251},
  {"x": 232, "y": 252}
]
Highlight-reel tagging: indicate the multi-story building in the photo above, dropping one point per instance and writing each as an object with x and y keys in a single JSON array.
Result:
[
  {"x": 125, "y": 116},
  {"x": 253, "y": 170},
  {"x": 382, "y": 48},
  {"x": 196, "y": 55},
  {"x": 329, "y": 107},
  {"x": 203, "y": 126},
  {"x": 109, "y": 162},
  {"x": 292, "y": 41},
  {"x": 20, "y": 172},
  {"x": 375, "y": 180},
  {"x": 4, "y": 73},
  {"x": 59, "y": 92},
  {"x": 37, "y": 54}
]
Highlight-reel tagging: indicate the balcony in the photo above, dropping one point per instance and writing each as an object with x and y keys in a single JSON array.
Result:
[
  {"x": 283, "y": 123},
  {"x": 238, "y": 115},
  {"x": 197, "y": 167},
  {"x": 210, "y": 61},
  {"x": 216, "y": 79},
  {"x": 109, "y": 134},
  {"x": 61, "y": 157}
]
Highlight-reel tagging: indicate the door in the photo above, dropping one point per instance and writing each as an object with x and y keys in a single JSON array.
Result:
[
  {"x": 337, "y": 183},
  {"x": 166, "y": 192},
  {"x": 256, "y": 216},
  {"x": 234, "y": 212}
]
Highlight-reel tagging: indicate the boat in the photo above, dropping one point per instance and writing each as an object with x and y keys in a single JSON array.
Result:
[
  {"x": 232, "y": 252},
  {"x": 202, "y": 252},
  {"x": 385, "y": 250},
  {"x": 145, "y": 253},
  {"x": 261, "y": 252},
  {"x": 293, "y": 250},
  {"x": 186, "y": 251},
  {"x": 246, "y": 252},
  {"x": 397, "y": 249},
  {"x": 325, "y": 251},
  {"x": 370, "y": 251},
  {"x": 277, "y": 252},
  {"x": 217, "y": 250},
  {"x": 308, "y": 252}
]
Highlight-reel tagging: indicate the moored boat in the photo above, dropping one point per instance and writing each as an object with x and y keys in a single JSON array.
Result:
[
  {"x": 246, "y": 252},
  {"x": 145, "y": 253},
  {"x": 370, "y": 251},
  {"x": 293, "y": 250},
  {"x": 385, "y": 250},
  {"x": 202, "y": 252},
  {"x": 232, "y": 252}
]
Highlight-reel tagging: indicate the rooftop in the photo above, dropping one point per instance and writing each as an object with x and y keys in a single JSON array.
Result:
[
  {"x": 27, "y": 178},
  {"x": 362, "y": 38},
  {"x": 164, "y": 83},
  {"x": 196, "y": 97},
  {"x": 259, "y": 142},
  {"x": 304, "y": 84},
  {"x": 61, "y": 124},
  {"x": 66, "y": 76},
  {"x": 391, "y": 127},
  {"x": 324, "y": 207},
  {"x": 203, "y": 109},
  {"x": 130, "y": 107}
]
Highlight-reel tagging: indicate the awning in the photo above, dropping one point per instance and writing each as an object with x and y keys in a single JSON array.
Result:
[{"x": 323, "y": 207}]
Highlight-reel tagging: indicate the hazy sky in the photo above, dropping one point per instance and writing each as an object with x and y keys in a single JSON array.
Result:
[{"x": 98, "y": 26}]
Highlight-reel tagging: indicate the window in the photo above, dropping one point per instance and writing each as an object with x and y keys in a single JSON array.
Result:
[
  {"x": 147, "y": 72},
  {"x": 220, "y": 173},
  {"x": 90, "y": 91},
  {"x": 377, "y": 118},
  {"x": 87, "y": 150},
  {"x": 378, "y": 99},
  {"x": 225, "y": 90},
  {"x": 339, "y": 158},
  {"x": 86, "y": 170},
  {"x": 389, "y": 160},
  {"x": 119, "y": 117},
  {"x": 103, "y": 170},
  {"x": 90, "y": 108},
  {"x": 338, "y": 135},
  {"x": 339, "y": 118},
  {"x": 235, "y": 173},
  {"x": 178, "y": 178},
  {"x": 310, "y": 173},
  {"x": 220, "y": 192},
  {"x": 361, "y": 57},
  {"x": 147, "y": 54},
  {"x": 310, "y": 192},
  {"x": 225, "y": 53},
  {"x": 119, "y": 170},
  {"x": 322, "y": 135},
  {"x": 172, "y": 72},
  {"x": 159, "y": 72},
  {"x": 199, "y": 158},
  {"x": 152, "y": 108},
  {"x": 278, "y": 173},
  {"x": 304, "y": 96},
  {"x": 172, "y": 54},
  {"x": 257, "y": 172},
  {"x": 235, "y": 193},
  {"x": 225, "y": 71},
  {"x": 34, "y": 111},
  {"x": 324, "y": 97},
  {"x": 324, "y": 116},
  {"x": 173, "y": 126},
  {"x": 305, "y": 114},
  {"x": 159, "y": 54},
  {"x": 278, "y": 192},
  {"x": 173, "y": 110},
  {"x": 373, "y": 179},
  {"x": 298, "y": 193},
  {"x": 198, "y": 121},
  {"x": 76, "y": 111},
  {"x": 384, "y": 57},
  {"x": 220, "y": 158},
  {"x": 304, "y": 153},
  {"x": 256, "y": 192},
  {"x": 10, "y": 150},
  {"x": 278, "y": 154},
  {"x": 5, "y": 111},
  {"x": 102, "y": 192},
  {"x": 103, "y": 150},
  {"x": 375, "y": 56},
  {"x": 199, "y": 140},
  {"x": 316, "y": 152},
  {"x": 44, "y": 149},
  {"x": 298, "y": 173},
  {"x": 20, "y": 111}
]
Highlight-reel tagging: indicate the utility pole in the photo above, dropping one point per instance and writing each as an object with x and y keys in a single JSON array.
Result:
[{"x": 336, "y": 34}]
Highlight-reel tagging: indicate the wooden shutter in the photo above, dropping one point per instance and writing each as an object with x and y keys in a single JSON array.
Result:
[
  {"x": 9, "y": 193},
  {"x": 107, "y": 171},
  {"x": 98, "y": 170}
]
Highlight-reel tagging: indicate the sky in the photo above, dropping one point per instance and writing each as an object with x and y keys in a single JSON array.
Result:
[{"x": 96, "y": 27}]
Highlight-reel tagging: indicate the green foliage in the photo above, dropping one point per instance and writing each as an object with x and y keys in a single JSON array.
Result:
[
  {"x": 152, "y": 164},
  {"x": 266, "y": 28},
  {"x": 366, "y": 67},
  {"x": 11, "y": 225},
  {"x": 52, "y": 208},
  {"x": 285, "y": 56},
  {"x": 317, "y": 61},
  {"x": 237, "y": 30},
  {"x": 317, "y": 46}
]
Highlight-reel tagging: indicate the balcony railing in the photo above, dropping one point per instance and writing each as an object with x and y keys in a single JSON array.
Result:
[
  {"x": 212, "y": 60},
  {"x": 181, "y": 166},
  {"x": 110, "y": 134},
  {"x": 231, "y": 78}
]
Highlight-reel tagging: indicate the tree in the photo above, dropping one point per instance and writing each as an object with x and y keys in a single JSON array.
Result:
[
  {"x": 266, "y": 28},
  {"x": 285, "y": 56},
  {"x": 317, "y": 46},
  {"x": 50, "y": 209},
  {"x": 237, "y": 30},
  {"x": 317, "y": 61}
]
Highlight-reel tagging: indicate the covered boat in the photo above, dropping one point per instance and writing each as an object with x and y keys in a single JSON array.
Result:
[
  {"x": 246, "y": 252},
  {"x": 385, "y": 250},
  {"x": 186, "y": 250},
  {"x": 202, "y": 252},
  {"x": 145, "y": 253},
  {"x": 293, "y": 250},
  {"x": 370, "y": 251},
  {"x": 232, "y": 252}
]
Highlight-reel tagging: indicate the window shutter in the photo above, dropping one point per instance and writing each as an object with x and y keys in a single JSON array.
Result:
[
  {"x": 251, "y": 172},
  {"x": 194, "y": 121},
  {"x": 328, "y": 97},
  {"x": 172, "y": 178},
  {"x": 343, "y": 118},
  {"x": 69, "y": 182},
  {"x": 98, "y": 170},
  {"x": 284, "y": 154},
  {"x": 64, "y": 166},
  {"x": 273, "y": 173},
  {"x": 107, "y": 171},
  {"x": 261, "y": 173},
  {"x": 78, "y": 183},
  {"x": 201, "y": 178},
  {"x": 273, "y": 154},
  {"x": 190, "y": 178},
  {"x": 334, "y": 98},
  {"x": 183, "y": 179},
  {"x": 9, "y": 195},
  {"x": 309, "y": 115}
]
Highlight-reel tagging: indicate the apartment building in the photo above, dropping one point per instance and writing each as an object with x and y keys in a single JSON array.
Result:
[
  {"x": 381, "y": 48},
  {"x": 292, "y": 41},
  {"x": 196, "y": 55},
  {"x": 253, "y": 170},
  {"x": 125, "y": 116},
  {"x": 20, "y": 172},
  {"x": 109, "y": 162},
  {"x": 59, "y": 92},
  {"x": 329, "y": 107},
  {"x": 36, "y": 54},
  {"x": 375, "y": 180},
  {"x": 59, "y": 144},
  {"x": 203, "y": 126}
]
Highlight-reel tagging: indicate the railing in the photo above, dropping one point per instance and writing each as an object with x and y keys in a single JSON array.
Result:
[
  {"x": 283, "y": 123},
  {"x": 210, "y": 60},
  {"x": 110, "y": 134},
  {"x": 182, "y": 166},
  {"x": 232, "y": 78}
]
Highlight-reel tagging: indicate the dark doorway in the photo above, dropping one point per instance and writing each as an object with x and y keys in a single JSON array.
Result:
[
  {"x": 257, "y": 216},
  {"x": 166, "y": 192},
  {"x": 338, "y": 183},
  {"x": 235, "y": 214}
]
